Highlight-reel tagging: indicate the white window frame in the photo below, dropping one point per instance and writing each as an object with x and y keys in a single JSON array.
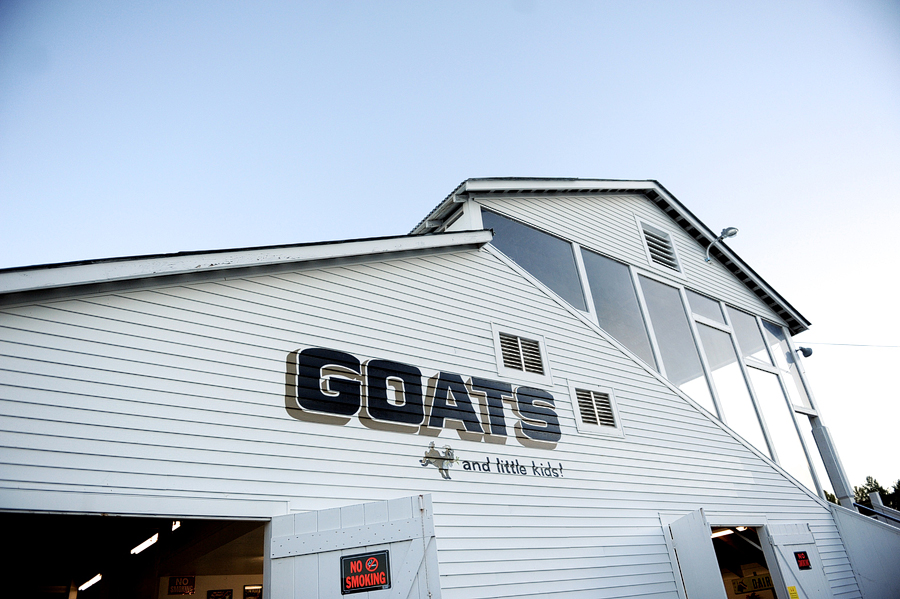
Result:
[
  {"x": 513, "y": 374},
  {"x": 594, "y": 430}
]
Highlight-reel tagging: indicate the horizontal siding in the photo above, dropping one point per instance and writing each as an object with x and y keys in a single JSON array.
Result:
[
  {"x": 174, "y": 395},
  {"x": 606, "y": 224}
]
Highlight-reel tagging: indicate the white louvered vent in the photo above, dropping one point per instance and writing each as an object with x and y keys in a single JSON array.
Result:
[
  {"x": 595, "y": 407},
  {"x": 659, "y": 244},
  {"x": 521, "y": 354}
]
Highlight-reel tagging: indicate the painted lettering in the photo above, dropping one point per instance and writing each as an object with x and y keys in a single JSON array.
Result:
[
  {"x": 335, "y": 394},
  {"x": 331, "y": 386},
  {"x": 408, "y": 407}
]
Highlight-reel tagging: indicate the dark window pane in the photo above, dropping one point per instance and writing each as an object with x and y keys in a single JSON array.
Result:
[
  {"x": 550, "y": 259},
  {"x": 734, "y": 397},
  {"x": 748, "y": 335},
  {"x": 676, "y": 343},
  {"x": 702, "y": 305},
  {"x": 616, "y": 303}
]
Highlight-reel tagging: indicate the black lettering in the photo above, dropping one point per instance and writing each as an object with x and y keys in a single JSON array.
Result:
[
  {"x": 340, "y": 395},
  {"x": 452, "y": 402},
  {"x": 495, "y": 391},
  {"x": 536, "y": 406},
  {"x": 378, "y": 374}
]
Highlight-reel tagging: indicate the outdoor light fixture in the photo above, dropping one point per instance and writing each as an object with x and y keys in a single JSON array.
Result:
[
  {"x": 805, "y": 351},
  {"x": 145, "y": 544},
  {"x": 91, "y": 582},
  {"x": 721, "y": 533},
  {"x": 729, "y": 232}
]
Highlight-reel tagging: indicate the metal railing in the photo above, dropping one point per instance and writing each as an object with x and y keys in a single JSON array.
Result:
[{"x": 875, "y": 512}]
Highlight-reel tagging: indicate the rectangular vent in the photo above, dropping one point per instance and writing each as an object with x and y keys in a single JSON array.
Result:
[
  {"x": 659, "y": 243},
  {"x": 521, "y": 354},
  {"x": 595, "y": 407}
]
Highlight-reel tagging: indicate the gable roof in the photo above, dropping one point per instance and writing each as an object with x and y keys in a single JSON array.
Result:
[
  {"x": 91, "y": 276},
  {"x": 652, "y": 190}
]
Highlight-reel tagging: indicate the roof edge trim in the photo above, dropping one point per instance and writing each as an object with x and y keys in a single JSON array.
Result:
[
  {"x": 656, "y": 193},
  {"x": 38, "y": 278}
]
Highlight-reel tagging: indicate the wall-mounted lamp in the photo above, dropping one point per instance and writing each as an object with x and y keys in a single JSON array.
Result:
[
  {"x": 805, "y": 351},
  {"x": 729, "y": 232}
]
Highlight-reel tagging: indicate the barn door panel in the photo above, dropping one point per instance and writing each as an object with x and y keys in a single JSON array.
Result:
[
  {"x": 304, "y": 550},
  {"x": 696, "y": 557},
  {"x": 791, "y": 548}
]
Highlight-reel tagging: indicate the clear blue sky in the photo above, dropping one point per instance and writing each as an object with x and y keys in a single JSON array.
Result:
[{"x": 150, "y": 127}]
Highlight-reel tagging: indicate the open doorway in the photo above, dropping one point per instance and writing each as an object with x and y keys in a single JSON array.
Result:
[
  {"x": 107, "y": 557},
  {"x": 742, "y": 563}
]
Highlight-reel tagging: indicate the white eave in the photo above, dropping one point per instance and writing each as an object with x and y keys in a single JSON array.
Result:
[
  {"x": 55, "y": 276},
  {"x": 653, "y": 191}
]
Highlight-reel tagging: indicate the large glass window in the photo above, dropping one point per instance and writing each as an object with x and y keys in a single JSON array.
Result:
[
  {"x": 748, "y": 335},
  {"x": 706, "y": 307},
  {"x": 616, "y": 303},
  {"x": 784, "y": 358},
  {"x": 780, "y": 423},
  {"x": 675, "y": 341},
  {"x": 734, "y": 397},
  {"x": 550, "y": 259}
]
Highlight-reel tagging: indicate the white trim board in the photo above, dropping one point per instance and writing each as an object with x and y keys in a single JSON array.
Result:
[{"x": 48, "y": 277}]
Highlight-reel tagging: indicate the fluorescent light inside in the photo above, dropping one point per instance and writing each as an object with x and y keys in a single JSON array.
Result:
[
  {"x": 145, "y": 544},
  {"x": 741, "y": 528},
  {"x": 252, "y": 587},
  {"x": 176, "y": 524},
  {"x": 91, "y": 582},
  {"x": 722, "y": 533}
]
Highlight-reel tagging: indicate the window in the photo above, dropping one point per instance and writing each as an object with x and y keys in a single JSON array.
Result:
[
  {"x": 659, "y": 246},
  {"x": 731, "y": 388},
  {"x": 748, "y": 335},
  {"x": 780, "y": 422},
  {"x": 616, "y": 303},
  {"x": 675, "y": 340},
  {"x": 550, "y": 259},
  {"x": 784, "y": 359},
  {"x": 596, "y": 412},
  {"x": 705, "y": 307}
]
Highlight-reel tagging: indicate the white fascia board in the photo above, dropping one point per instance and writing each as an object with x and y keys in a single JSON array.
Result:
[
  {"x": 549, "y": 185},
  {"x": 49, "y": 277}
]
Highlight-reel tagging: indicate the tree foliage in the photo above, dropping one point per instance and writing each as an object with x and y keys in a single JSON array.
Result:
[{"x": 890, "y": 498}]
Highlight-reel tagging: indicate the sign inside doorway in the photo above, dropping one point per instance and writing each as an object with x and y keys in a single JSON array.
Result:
[
  {"x": 752, "y": 584},
  {"x": 181, "y": 585}
]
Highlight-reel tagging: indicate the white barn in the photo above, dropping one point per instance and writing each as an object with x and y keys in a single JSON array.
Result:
[{"x": 544, "y": 390}]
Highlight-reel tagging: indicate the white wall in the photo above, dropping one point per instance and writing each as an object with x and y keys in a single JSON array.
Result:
[{"x": 170, "y": 401}]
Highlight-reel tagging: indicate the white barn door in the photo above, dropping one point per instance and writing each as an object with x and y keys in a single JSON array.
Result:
[
  {"x": 791, "y": 548},
  {"x": 386, "y": 546},
  {"x": 696, "y": 557}
]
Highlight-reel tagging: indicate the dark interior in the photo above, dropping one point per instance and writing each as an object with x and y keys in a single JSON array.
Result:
[{"x": 50, "y": 556}]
